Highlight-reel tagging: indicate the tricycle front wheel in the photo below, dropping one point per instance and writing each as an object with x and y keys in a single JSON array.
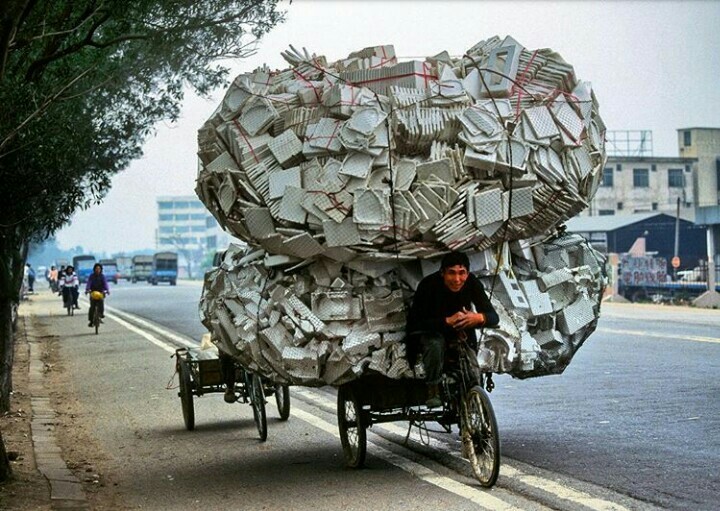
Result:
[
  {"x": 282, "y": 398},
  {"x": 257, "y": 400},
  {"x": 351, "y": 425},
  {"x": 480, "y": 437}
]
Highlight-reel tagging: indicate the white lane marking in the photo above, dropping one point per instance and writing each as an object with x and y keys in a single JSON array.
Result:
[
  {"x": 482, "y": 498},
  {"x": 565, "y": 493},
  {"x": 642, "y": 333},
  {"x": 152, "y": 326},
  {"x": 546, "y": 485},
  {"x": 141, "y": 333}
]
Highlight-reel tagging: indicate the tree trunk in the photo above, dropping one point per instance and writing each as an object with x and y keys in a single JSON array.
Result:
[
  {"x": 5, "y": 469},
  {"x": 12, "y": 260},
  {"x": 7, "y": 346}
]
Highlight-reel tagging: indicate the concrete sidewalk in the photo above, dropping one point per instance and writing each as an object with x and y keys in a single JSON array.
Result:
[{"x": 66, "y": 490}]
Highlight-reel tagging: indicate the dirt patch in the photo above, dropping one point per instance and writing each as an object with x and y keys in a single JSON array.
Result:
[{"x": 27, "y": 489}]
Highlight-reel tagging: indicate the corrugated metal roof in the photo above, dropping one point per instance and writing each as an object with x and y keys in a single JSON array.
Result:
[{"x": 606, "y": 223}]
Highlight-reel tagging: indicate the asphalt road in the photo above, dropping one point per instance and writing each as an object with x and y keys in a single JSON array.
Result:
[{"x": 636, "y": 412}]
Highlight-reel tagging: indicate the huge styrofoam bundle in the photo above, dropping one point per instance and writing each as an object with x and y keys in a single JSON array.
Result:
[
  {"x": 331, "y": 322},
  {"x": 370, "y": 163}
]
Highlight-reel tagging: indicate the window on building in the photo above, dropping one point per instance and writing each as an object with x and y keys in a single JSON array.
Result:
[
  {"x": 166, "y": 241},
  {"x": 654, "y": 206},
  {"x": 619, "y": 205},
  {"x": 182, "y": 228},
  {"x": 641, "y": 178},
  {"x": 618, "y": 167},
  {"x": 183, "y": 217},
  {"x": 653, "y": 167},
  {"x": 211, "y": 242},
  {"x": 198, "y": 228},
  {"x": 210, "y": 222},
  {"x": 675, "y": 178},
  {"x": 166, "y": 229},
  {"x": 717, "y": 173},
  {"x": 196, "y": 204},
  {"x": 197, "y": 216},
  {"x": 182, "y": 204},
  {"x": 606, "y": 212},
  {"x": 607, "y": 178},
  {"x": 165, "y": 205},
  {"x": 165, "y": 216},
  {"x": 687, "y": 138}
]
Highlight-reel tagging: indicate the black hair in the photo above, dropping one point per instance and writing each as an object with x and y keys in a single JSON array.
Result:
[
  {"x": 454, "y": 259},
  {"x": 96, "y": 265}
]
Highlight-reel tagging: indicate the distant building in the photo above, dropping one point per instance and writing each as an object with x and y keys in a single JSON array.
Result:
[
  {"x": 186, "y": 226},
  {"x": 704, "y": 144},
  {"x": 646, "y": 184},
  {"x": 182, "y": 222},
  {"x": 616, "y": 234}
]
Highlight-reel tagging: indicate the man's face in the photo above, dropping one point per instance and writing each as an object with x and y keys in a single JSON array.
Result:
[{"x": 454, "y": 277}]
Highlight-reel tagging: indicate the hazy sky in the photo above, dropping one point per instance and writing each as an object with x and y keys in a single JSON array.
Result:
[{"x": 653, "y": 65}]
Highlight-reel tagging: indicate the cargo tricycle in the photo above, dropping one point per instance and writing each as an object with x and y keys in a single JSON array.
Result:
[
  {"x": 200, "y": 376},
  {"x": 375, "y": 398}
]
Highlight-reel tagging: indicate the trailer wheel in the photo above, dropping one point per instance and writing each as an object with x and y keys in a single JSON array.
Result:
[
  {"x": 186, "y": 395},
  {"x": 282, "y": 398},
  {"x": 257, "y": 400},
  {"x": 480, "y": 437},
  {"x": 352, "y": 426}
]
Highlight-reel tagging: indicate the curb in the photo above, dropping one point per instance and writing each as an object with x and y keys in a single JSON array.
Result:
[{"x": 66, "y": 490}]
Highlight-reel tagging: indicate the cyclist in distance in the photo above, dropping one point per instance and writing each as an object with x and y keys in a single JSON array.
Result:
[
  {"x": 97, "y": 282},
  {"x": 69, "y": 284}
]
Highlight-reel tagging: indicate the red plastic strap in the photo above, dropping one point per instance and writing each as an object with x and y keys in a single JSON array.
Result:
[
  {"x": 237, "y": 125},
  {"x": 317, "y": 93}
]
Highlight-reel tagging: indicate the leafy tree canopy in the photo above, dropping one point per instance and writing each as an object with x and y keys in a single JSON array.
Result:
[{"x": 82, "y": 83}]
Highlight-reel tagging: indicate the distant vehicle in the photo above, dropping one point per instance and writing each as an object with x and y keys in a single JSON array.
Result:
[
  {"x": 124, "y": 267},
  {"x": 110, "y": 270},
  {"x": 83, "y": 265},
  {"x": 164, "y": 268},
  {"x": 141, "y": 268}
]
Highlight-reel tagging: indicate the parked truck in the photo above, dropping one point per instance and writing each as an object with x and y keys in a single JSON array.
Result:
[
  {"x": 141, "y": 268},
  {"x": 164, "y": 268},
  {"x": 83, "y": 265},
  {"x": 124, "y": 266},
  {"x": 646, "y": 278},
  {"x": 110, "y": 270}
]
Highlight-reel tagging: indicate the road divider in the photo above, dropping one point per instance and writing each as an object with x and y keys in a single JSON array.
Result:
[{"x": 671, "y": 337}]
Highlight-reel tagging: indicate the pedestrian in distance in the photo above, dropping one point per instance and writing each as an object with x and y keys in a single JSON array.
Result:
[
  {"x": 31, "y": 278},
  {"x": 97, "y": 282},
  {"x": 69, "y": 286},
  {"x": 442, "y": 313},
  {"x": 53, "y": 279}
]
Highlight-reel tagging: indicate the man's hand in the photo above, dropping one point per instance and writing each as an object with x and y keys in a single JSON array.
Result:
[{"x": 465, "y": 319}]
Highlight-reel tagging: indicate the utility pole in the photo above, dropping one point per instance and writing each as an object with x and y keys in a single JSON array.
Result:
[{"x": 677, "y": 236}]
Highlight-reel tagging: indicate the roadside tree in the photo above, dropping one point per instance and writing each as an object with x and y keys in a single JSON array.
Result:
[{"x": 82, "y": 83}]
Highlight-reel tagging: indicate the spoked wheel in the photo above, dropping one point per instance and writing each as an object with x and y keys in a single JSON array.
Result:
[
  {"x": 282, "y": 398},
  {"x": 352, "y": 428},
  {"x": 257, "y": 400},
  {"x": 186, "y": 396},
  {"x": 480, "y": 437},
  {"x": 96, "y": 318}
]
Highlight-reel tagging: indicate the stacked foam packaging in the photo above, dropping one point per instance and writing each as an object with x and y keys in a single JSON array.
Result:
[{"x": 349, "y": 180}]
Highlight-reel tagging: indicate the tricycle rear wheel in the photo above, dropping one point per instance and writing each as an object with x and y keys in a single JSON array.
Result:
[
  {"x": 351, "y": 424},
  {"x": 186, "y": 395},
  {"x": 282, "y": 398},
  {"x": 480, "y": 438}
]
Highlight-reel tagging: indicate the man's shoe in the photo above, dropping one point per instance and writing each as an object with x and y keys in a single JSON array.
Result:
[
  {"x": 76, "y": 307},
  {"x": 90, "y": 324},
  {"x": 230, "y": 396},
  {"x": 101, "y": 321}
]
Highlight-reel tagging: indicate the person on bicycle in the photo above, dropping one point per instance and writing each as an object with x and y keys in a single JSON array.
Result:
[
  {"x": 442, "y": 312},
  {"x": 69, "y": 284},
  {"x": 97, "y": 282}
]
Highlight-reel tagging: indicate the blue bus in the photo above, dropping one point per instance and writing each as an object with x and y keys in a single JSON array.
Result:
[{"x": 83, "y": 265}]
